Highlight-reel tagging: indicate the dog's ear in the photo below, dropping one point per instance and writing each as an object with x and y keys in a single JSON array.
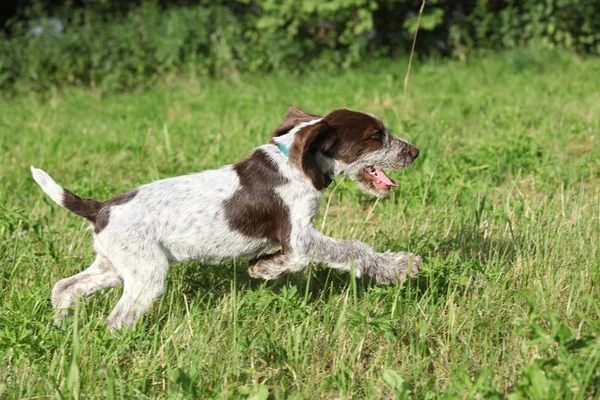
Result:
[
  {"x": 294, "y": 117},
  {"x": 318, "y": 137}
]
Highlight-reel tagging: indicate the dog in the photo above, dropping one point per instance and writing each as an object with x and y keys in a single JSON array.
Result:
[{"x": 256, "y": 207}]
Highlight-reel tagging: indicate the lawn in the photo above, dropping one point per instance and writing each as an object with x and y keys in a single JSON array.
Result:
[{"x": 503, "y": 204}]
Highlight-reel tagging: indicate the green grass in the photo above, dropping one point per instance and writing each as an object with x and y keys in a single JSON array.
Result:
[{"x": 503, "y": 204}]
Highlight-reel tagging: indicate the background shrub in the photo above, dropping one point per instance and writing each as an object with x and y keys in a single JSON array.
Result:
[{"x": 113, "y": 45}]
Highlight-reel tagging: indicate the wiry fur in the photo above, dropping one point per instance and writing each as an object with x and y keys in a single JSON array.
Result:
[{"x": 194, "y": 217}]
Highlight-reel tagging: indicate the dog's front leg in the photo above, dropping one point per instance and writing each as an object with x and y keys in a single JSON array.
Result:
[
  {"x": 389, "y": 267},
  {"x": 271, "y": 266}
]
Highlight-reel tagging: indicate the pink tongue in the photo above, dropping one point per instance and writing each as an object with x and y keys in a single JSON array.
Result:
[{"x": 383, "y": 180}]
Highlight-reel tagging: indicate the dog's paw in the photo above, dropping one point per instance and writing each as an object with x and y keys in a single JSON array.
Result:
[
  {"x": 269, "y": 267},
  {"x": 260, "y": 271},
  {"x": 396, "y": 267}
]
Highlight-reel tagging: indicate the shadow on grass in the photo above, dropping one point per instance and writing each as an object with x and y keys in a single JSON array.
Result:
[
  {"x": 212, "y": 281},
  {"x": 451, "y": 262},
  {"x": 448, "y": 265}
]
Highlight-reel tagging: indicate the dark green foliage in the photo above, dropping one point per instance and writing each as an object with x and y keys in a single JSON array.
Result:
[
  {"x": 572, "y": 24},
  {"x": 112, "y": 45}
]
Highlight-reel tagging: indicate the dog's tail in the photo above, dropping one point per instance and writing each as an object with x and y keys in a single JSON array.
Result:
[{"x": 86, "y": 208}]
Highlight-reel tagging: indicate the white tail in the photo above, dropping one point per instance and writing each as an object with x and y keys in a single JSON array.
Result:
[{"x": 52, "y": 189}]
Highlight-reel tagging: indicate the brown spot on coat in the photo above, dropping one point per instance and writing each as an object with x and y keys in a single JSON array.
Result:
[
  {"x": 255, "y": 209},
  {"x": 86, "y": 208},
  {"x": 104, "y": 213},
  {"x": 97, "y": 212}
]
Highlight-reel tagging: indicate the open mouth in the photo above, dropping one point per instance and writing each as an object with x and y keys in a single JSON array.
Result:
[{"x": 378, "y": 178}]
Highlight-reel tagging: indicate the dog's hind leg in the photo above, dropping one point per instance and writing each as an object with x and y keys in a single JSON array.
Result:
[
  {"x": 144, "y": 280},
  {"x": 100, "y": 275}
]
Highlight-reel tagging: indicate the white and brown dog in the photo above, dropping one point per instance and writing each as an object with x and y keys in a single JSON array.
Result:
[{"x": 251, "y": 208}]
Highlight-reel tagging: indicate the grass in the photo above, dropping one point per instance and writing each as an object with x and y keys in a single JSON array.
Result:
[{"x": 503, "y": 204}]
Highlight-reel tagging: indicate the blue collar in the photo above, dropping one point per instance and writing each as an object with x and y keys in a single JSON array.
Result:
[
  {"x": 286, "y": 152},
  {"x": 283, "y": 149}
]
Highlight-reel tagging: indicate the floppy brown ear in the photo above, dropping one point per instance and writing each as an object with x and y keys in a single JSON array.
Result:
[
  {"x": 295, "y": 116},
  {"x": 318, "y": 137}
]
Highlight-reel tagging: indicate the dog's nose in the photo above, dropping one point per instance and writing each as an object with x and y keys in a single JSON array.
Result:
[{"x": 414, "y": 152}]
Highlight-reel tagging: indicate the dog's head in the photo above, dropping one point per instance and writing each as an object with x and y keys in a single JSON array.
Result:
[{"x": 347, "y": 142}]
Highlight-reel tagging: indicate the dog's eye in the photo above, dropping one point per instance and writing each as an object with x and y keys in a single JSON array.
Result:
[{"x": 378, "y": 134}]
